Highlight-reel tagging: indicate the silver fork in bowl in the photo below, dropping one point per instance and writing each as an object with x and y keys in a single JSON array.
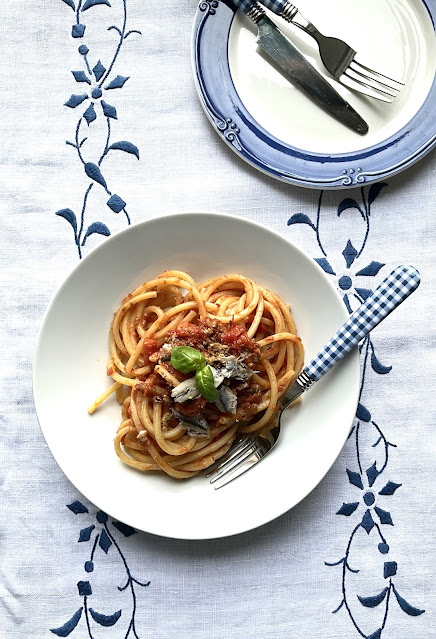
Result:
[
  {"x": 338, "y": 58},
  {"x": 247, "y": 451}
]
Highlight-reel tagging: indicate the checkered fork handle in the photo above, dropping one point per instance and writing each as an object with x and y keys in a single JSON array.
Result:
[{"x": 391, "y": 292}]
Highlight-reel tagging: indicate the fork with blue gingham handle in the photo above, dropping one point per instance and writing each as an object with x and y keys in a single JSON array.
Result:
[
  {"x": 392, "y": 291},
  {"x": 340, "y": 60}
]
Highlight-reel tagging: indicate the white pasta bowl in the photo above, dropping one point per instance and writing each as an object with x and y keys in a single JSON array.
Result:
[{"x": 70, "y": 372}]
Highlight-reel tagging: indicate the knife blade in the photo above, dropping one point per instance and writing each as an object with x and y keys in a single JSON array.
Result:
[{"x": 299, "y": 71}]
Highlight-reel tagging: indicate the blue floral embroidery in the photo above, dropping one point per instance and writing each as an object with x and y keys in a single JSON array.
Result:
[
  {"x": 96, "y": 86},
  {"x": 370, "y": 505},
  {"x": 104, "y": 538}
]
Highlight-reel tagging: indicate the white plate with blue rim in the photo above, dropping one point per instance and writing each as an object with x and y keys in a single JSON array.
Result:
[
  {"x": 69, "y": 372},
  {"x": 279, "y": 131}
]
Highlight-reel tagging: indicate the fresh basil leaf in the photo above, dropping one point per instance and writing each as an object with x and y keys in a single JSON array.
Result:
[
  {"x": 205, "y": 384},
  {"x": 187, "y": 359}
]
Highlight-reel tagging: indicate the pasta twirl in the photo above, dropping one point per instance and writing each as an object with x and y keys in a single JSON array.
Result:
[{"x": 238, "y": 347}]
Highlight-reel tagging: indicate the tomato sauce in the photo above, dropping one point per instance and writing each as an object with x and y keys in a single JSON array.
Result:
[
  {"x": 149, "y": 347},
  {"x": 148, "y": 386},
  {"x": 236, "y": 338},
  {"x": 192, "y": 407},
  {"x": 189, "y": 334}
]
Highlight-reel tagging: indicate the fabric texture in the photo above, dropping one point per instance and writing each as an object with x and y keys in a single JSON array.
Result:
[
  {"x": 100, "y": 127},
  {"x": 393, "y": 291}
]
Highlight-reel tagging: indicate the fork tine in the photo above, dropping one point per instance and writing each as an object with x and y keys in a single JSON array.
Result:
[
  {"x": 240, "y": 457},
  {"x": 361, "y": 87},
  {"x": 249, "y": 463},
  {"x": 368, "y": 82},
  {"x": 231, "y": 453},
  {"x": 377, "y": 73},
  {"x": 243, "y": 465},
  {"x": 377, "y": 84}
]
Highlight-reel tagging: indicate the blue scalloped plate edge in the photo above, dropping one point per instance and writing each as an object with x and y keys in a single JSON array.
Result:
[{"x": 275, "y": 158}]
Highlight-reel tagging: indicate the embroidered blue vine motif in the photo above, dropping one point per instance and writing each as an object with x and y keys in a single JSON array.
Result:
[
  {"x": 352, "y": 280},
  {"x": 98, "y": 84},
  {"x": 104, "y": 538}
]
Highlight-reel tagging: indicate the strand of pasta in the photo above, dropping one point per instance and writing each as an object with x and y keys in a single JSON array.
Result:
[{"x": 146, "y": 438}]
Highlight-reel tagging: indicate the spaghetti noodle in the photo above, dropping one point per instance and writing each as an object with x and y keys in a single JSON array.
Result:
[{"x": 239, "y": 337}]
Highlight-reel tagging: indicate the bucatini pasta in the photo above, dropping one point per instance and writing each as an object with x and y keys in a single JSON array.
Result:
[{"x": 194, "y": 365}]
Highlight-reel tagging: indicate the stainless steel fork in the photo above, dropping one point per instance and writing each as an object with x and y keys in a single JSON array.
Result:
[
  {"x": 249, "y": 450},
  {"x": 338, "y": 58}
]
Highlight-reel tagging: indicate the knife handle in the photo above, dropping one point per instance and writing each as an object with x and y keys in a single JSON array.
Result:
[{"x": 391, "y": 292}]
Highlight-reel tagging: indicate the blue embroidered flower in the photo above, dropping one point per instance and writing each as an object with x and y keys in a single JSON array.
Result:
[
  {"x": 349, "y": 270},
  {"x": 352, "y": 278},
  {"x": 96, "y": 85},
  {"x": 105, "y": 539},
  {"x": 368, "y": 522},
  {"x": 352, "y": 272},
  {"x": 354, "y": 284},
  {"x": 94, "y": 79},
  {"x": 369, "y": 499}
]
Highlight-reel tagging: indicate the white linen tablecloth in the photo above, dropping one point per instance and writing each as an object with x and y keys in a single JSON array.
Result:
[{"x": 271, "y": 583}]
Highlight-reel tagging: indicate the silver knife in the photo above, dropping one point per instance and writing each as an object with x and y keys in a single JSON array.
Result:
[{"x": 299, "y": 71}]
